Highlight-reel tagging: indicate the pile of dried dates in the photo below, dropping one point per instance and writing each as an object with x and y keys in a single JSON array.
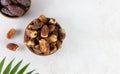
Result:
[
  {"x": 44, "y": 36},
  {"x": 14, "y": 8}
]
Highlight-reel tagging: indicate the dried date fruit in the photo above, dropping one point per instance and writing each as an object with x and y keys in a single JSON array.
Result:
[
  {"x": 24, "y": 2},
  {"x": 12, "y": 46},
  {"x": 14, "y": 8},
  {"x": 5, "y": 2},
  {"x": 30, "y": 43},
  {"x": 52, "y": 21},
  {"x": 58, "y": 44},
  {"x": 43, "y": 19},
  {"x": 11, "y": 33},
  {"x": 43, "y": 45},
  {"x": 6, "y": 11},
  {"x": 31, "y": 33},
  {"x": 61, "y": 34},
  {"x": 51, "y": 28},
  {"x": 44, "y": 31},
  {"x": 17, "y": 11},
  {"x": 36, "y": 49},
  {"x": 53, "y": 38},
  {"x": 36, "y": 24},
  {"x": 27, "y": 38},
  {"x": 44, "y": 36}
]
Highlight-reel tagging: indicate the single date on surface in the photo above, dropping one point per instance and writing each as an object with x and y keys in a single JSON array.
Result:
[
  {"x": 44, "y": 36},
  {"x": 14, "y": 8},
  {"x": 12, "y": 46},
  {"x": 10, "y": 34}
]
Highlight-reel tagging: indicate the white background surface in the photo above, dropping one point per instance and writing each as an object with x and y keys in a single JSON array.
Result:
[{"x": 92, "y": 44}]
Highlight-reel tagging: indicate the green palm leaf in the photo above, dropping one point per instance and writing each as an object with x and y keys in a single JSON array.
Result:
[
  {"x": 14, "y": 70},
  {"x": 21, "y": 71},
  {"x": 30, "y": 72},
  {"x": 8, "y": 68},
  {"x": 1, "y": 64}
]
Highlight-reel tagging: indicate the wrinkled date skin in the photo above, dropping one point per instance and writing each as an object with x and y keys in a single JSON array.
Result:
[
  {"x": 44, "y": 36},
  {"x": 14, "y": 8}
]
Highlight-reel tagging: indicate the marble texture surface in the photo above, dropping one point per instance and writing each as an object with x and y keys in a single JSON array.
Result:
[{"x": 92, "y": 44}]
